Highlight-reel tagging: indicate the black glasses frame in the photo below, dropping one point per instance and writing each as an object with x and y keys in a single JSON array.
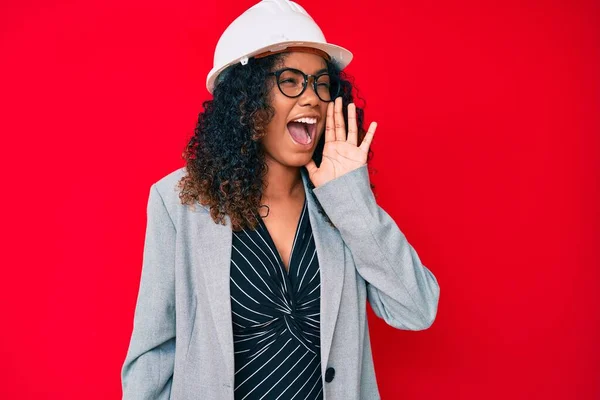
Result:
[{"x": 278, "y": 73}]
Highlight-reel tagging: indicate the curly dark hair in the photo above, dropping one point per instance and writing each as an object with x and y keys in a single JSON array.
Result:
[{"x": 225, "y": 161}]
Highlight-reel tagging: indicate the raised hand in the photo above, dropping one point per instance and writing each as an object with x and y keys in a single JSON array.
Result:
[{"x": 341, "y": 153}]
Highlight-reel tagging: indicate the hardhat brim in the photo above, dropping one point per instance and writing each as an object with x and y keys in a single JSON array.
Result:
[{"x": 339, "y": 55}]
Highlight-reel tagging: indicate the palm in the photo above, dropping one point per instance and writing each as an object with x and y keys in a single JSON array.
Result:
[{"x": 340, "y": 153}]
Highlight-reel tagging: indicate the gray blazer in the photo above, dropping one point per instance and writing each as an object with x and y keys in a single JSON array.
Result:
[{"x": 181, "y": 345}]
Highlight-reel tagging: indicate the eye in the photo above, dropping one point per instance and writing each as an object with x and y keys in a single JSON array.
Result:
[
  {"x": 324, "y": 80},
  {"x": 291, "y": 78}
]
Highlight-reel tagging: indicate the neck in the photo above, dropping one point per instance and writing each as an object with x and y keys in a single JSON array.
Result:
[{"x": 282, "y": 183}]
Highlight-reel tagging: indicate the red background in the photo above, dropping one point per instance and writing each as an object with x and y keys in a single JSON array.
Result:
[{"x": 487, "y": 154}]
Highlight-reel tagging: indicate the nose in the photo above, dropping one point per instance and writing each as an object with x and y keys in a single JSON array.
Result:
[{"x": 309, "y": 97}]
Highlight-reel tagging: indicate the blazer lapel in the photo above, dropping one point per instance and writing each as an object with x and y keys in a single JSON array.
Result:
[
  {"x": 330, "y": 253},
  {"x": 214, "y": 264}
]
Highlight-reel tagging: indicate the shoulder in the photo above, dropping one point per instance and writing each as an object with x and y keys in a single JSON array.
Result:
[
  {"x": 167, "y": 187},
  {"x": 168, "y": 183}
]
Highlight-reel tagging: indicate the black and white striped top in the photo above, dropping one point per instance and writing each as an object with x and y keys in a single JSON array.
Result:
[{"x": 276, "y": 316}]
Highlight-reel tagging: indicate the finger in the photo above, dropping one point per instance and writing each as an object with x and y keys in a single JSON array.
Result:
[
  {"x": 352, "y": 127},
  {"x": 329, "y": 124},
  {"x": 366, "y": 142},
  {"x": 340, "y": 128}
]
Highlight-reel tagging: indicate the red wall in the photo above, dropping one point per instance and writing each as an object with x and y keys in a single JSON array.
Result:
[{"x": 488, "y": 158}]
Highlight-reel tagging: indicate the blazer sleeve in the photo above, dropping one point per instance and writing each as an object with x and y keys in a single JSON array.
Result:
[
  {"x": 400, "y": 289},
  {"x": 148, "y": 368}
]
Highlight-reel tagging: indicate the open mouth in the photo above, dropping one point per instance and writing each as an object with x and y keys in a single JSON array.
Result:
[{"x": 302, "y": 133}]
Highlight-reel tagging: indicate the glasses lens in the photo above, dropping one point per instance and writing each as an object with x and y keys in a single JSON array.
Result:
[
  {"x": 327, "y": 87},
  {"x": 291, "y": 83}
]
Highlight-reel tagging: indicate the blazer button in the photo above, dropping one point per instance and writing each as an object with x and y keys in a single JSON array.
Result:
[{"x": 329, "y": 374}]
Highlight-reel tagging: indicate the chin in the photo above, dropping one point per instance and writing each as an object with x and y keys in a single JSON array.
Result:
[{"x": 299, "y": 161}]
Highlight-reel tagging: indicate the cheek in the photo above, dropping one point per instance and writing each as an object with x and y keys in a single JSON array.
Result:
[
  {"x": 323, "y": 122},
  {"x": 276, "y": 127},
  {"x": 282, "y": 109},
  {"x": 277, "y": 124}
]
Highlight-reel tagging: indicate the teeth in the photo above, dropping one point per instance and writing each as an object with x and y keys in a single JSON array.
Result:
[{"x": 306, "y": 120}]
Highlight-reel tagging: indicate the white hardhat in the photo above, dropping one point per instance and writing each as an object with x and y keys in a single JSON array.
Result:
[{"x": 269, "y": 27}]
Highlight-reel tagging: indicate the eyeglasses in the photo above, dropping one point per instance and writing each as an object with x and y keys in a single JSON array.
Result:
[{"x": 293, "y": 82}]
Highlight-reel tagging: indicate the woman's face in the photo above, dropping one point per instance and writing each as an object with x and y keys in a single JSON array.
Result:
[{"x": 279, "y": 145}]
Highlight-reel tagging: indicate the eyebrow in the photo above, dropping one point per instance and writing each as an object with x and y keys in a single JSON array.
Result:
[{"x": 316, "y": 73}]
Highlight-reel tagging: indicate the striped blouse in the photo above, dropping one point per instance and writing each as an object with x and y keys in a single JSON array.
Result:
[{"x": 275, "y": 316}]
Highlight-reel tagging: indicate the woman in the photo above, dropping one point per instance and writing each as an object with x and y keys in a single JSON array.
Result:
[{"x": 262, "y": 251}]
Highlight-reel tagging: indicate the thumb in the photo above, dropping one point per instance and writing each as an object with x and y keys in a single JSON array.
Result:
[{"x": 311, "y": 167}]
